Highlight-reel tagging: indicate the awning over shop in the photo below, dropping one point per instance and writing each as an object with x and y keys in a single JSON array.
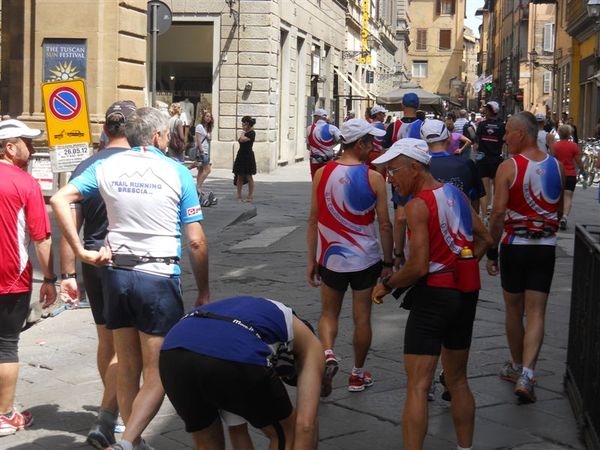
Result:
[
  {"x": 427, "y": 100},
  {"x": 354, "y": 85}
]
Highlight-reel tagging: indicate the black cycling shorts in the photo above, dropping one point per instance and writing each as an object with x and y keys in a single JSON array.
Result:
[
  {"x": 570, "y": 183},
  {"x": 487, "y": 167},
  {"x": 363, "y": 279},
  {"x": 199, "y": 386},
  {"x": 92, "y": 280},
  {"x": 439, "y": 316},
  {"x": 527, "y": 267}
]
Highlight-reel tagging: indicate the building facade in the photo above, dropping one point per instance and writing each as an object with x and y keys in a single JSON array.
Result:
[
  {"x": 436, "y": 46},
  {"x": 470, "y": 67},
  {"x": 275, "y": 60}
]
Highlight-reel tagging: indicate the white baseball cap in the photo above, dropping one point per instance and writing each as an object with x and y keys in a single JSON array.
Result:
[
  {"x": 494, "y": 106},
  {"x": 434, "y": 131},
  {"x": 540, "y": 117},
  {"x": 320, "y": 112},
  {"x": 13, "y": 128},
  {"x": 352, "y": 130},
  {"x": 413, "y": 148},
  {"x": 378, "y": 109}
]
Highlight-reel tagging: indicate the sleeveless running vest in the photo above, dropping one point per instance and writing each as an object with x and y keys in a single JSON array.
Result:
[
  {"x": 532, "y": 209},
  {"x": 321, "y": 142},
  {"x": 450, "y": 229},
  {"x": 347, "y": 241}
]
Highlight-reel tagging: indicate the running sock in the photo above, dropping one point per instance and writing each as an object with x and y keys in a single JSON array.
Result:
[
  {"x": 329, "y": 352},
  {"x": 358, "y": 371},
  {"x": 518, "y": 367},
  {"x": 528, "y": 372},
  {"x": 126, "y": 445},
  {"x": 107, "y": 417},
  {"x": 9, "y": 415},
  {"x": 458, "y": 447}
]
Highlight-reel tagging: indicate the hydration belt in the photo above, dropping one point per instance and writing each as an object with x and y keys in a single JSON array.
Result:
[
  {"x": 122, "y": 260},
  {"x": 532, "y": 228}
]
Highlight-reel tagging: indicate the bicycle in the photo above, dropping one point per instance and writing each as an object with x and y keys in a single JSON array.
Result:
[{"x": 590, "y": 152}]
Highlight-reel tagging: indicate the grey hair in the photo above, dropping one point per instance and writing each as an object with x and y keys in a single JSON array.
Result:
[
  {"x": 142, "y": 124},
  {"x": 526, "y": 121},
  {"x": 462, "y": 113},
  {"x": 564, "y": 131}
]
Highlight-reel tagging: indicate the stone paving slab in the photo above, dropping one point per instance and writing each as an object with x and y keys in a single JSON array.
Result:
[{"x": 58, "y": 379}]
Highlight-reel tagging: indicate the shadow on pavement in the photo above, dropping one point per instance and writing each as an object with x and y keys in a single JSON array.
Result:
[{"x": 54, "y": 442}]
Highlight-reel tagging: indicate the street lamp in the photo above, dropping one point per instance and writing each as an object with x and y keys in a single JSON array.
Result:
[{"x": 593, "y": 8}]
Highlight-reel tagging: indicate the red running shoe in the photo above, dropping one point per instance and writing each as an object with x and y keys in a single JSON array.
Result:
[
  {"x": 358, "y": 384},
  {"x": 17, "y": 422}
]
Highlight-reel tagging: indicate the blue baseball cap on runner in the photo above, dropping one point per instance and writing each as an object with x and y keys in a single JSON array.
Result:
[{"x": 410, "y": 100}]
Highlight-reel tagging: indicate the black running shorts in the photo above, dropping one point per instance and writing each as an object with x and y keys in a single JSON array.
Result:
[
  {"x": 439, "y": 316},
  {"x": 92, "y": 280},
  {"x": 487, "y": 167},
  {"x": 199, "y": 386},
  {"x": 363, "y": 279},
  {"x": 527, "y": 267},
  {"x": 570, "y": 183}
]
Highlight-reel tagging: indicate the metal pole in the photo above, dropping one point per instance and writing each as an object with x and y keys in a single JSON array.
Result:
[{"x": 154, "y": 50}]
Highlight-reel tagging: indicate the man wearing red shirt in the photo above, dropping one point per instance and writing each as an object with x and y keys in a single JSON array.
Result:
[{"x": 23, "y": 218}]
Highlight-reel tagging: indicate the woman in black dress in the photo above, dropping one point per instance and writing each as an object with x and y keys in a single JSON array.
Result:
[{"x": 245, "y": 164}]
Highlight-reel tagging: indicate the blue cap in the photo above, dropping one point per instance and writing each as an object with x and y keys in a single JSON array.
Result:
[{"x": 410, "y": 100}]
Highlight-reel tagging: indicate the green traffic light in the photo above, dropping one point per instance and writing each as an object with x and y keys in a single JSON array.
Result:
[{"x": 489, "y": 87}]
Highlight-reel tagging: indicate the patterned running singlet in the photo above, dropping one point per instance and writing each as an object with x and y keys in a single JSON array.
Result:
[{"x": 347, "y": 241}]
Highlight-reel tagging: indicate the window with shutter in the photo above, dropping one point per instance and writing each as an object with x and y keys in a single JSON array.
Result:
[
  {"x": 547, "y": 82},
  {"x": 548, "y": 37},
  {"x": 445, "y": 7},
  {"x": 445, "y": 39},
  {"x": 422, "y": 39},
  {"x": 419, "y": 69}
]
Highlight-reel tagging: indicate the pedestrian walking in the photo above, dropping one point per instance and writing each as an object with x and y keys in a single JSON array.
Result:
[
  {"x": 228, "y": 355},
  {"x": 201, "y": 156},
  {"x": 526, "y": 212},
  {"x": 545, "y": 140},
  {"x": 488, "y": 151},
  {"x": 90, "y": 214},
  {"x": 567, "y": 152},
  {"x": 343, "y": 248},
  {"x": 177, "y": 133},
  {"x": 445, "y": 240},
  {"x": 244, "y": 166},
  {"x": 23, "y": 218},
  {"x": 148, "y": 197},
  {"x": 321, "y": 138}
]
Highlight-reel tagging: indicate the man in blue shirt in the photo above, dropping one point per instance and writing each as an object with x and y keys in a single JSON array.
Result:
[{"x": 147, "y": 196}]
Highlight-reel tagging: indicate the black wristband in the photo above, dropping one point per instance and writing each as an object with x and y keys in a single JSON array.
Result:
[
  {"x": 492, "y": 254},
  {"x": 66, "y": 276},
  {"x": 388, "y": 264},
  {"x": 51, "y": 280},
  {"x": 398, "y": 255},
  {"x": 385, "y": 282}
]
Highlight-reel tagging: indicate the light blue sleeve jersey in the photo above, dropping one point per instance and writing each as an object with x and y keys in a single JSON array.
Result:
[{"x": 147, "y": 197}]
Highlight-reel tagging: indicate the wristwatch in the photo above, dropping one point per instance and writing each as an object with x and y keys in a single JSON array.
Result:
[
  {"x": 385, "y": 282},
  {"x": 66, "y": 276},
  {"x": 51, "y": 280}
]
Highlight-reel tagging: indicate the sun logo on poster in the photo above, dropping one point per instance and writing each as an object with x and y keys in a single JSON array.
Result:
[{"x": 64, "y": 72}]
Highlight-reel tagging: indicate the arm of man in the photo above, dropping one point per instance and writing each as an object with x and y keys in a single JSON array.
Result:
[
  {"x": 198, "y": 248},
  {"x": 312, "y": 269},
  {"x": 417, "y": 265},
  {"x": 43, "y": 252},
  {"x": 69, "y": 289},
  {"x": 385, "y": 226},
  {"x": 504, "y": 178},
  {"x": 61, "y": 205},
  {"x": 465, "y": 141},
  {"x": 399, "y": 235},
  {"x": 309, "y": 352},
  {"x": 550, "y": 143}
]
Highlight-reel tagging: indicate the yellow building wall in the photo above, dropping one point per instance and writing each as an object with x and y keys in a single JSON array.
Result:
[{"x": 581, "y": 50}]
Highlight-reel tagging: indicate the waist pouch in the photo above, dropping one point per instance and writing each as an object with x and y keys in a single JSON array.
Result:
[{"x": 467, "y": 275}]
